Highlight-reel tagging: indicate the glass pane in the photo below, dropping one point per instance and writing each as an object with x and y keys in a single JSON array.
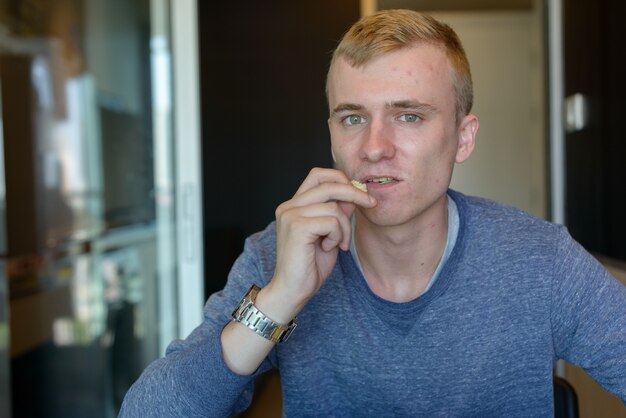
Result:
[
  {"x": 5, "y": 377},
  {"x": 89, "y": 199}
]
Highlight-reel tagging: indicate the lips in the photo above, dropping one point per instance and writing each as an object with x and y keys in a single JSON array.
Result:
[{"x": 380, "y": 180}]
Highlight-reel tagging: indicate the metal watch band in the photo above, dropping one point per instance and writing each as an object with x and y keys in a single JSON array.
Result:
[{"x": 248, "y": 315}]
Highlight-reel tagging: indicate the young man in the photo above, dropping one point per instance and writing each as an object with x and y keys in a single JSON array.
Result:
[{"x": 411, "y": 299}]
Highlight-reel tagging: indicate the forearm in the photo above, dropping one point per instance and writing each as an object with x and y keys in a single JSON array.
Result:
[
  {"x": 193, "y": 381},
  {"x": 311, "y": 228},
  {"x": 242, "y": 348}
]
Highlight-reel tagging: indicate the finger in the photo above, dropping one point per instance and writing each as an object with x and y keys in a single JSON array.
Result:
[
  {"x": 335, "y": 236},
  {"x": 342, "y": 192},
  {"x": 325, "y": 231},
  {"x": 318, "y": 176},
  {"x": 311, "y": 214}
]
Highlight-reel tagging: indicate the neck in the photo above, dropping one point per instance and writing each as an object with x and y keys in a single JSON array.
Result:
[{"x": 399, "y": 261}]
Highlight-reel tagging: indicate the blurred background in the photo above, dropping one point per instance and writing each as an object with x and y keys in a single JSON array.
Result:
[{"x": 129, "y": 129}]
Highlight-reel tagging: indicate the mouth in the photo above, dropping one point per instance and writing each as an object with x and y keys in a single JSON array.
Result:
[{"x": 381, "y": 180}]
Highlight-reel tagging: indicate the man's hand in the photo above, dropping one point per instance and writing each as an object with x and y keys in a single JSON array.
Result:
[{"x": 311, "y": 227}]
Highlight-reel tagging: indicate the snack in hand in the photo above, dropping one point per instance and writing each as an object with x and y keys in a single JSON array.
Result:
[{"x": 359, "y": 185}]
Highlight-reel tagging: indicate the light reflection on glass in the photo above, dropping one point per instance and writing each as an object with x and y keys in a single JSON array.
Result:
[{"x": 92, "y": 297}]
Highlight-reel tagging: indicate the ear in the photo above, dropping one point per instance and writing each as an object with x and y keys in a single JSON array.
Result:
[
  {"x": 467, "y": 137},
  {"x": 332, "y": 152}
]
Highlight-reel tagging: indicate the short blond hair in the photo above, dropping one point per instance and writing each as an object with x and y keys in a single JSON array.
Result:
[{"x": 390, "y": 30}]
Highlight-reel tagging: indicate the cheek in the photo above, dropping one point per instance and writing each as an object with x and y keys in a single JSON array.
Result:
[
  {"x": 443, "y": 170},
  {"x": 340, "y": 153},
  {"x": 446, "y": 155},
  {"x": 433, "y": 164}
]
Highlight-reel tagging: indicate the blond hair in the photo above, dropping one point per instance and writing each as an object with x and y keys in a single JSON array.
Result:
[{"x": 391, "y": 30}]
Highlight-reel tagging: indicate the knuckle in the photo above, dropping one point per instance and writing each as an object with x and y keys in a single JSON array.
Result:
[
  {"x": 280, "y": 209},
  {"x": 286, "y": 216}
]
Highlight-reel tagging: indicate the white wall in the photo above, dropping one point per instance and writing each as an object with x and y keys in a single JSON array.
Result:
[{"x": 505, "y": 53}]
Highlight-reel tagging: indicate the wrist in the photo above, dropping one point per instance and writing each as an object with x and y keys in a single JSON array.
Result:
[
  {"x": 278, "y": 304},
  {"x": 249, "y": 315}
]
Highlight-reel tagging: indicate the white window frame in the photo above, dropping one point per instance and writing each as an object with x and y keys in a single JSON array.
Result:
[{"x": 189, "y": 235}]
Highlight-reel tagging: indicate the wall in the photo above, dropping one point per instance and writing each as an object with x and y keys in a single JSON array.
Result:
[
  {"x": 594, "y": 51},
  {"x": 593, "y": 54},
  {"x": 505, "y": 54},
  {"x": 264, "y": 112}
]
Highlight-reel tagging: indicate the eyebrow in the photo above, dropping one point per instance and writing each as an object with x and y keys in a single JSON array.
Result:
[
  {"x": 398, "y": 104},
  {"x": 411, "y": 104},
  {"x": 343, "y": 107}
]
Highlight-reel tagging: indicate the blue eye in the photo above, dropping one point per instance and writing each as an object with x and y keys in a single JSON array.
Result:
[
  {"x": 353, "y": 120},
  {"x": 409, "y": 117}
]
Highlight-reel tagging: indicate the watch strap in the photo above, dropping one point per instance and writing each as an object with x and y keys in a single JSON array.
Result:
[{"x": 249, "y": 315}]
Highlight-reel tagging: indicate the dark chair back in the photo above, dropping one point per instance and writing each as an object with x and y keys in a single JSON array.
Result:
[{"x": 565, "y": 399}]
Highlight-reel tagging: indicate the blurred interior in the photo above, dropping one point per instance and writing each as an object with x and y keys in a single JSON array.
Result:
[{"x": 79, "y": 203}]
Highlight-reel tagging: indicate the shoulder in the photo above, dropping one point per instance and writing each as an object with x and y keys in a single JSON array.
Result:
[
  {"x": 495, "y": 233},
  {"x": 483, "y": 215}
]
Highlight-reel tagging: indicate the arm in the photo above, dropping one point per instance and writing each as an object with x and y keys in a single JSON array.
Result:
[
  {"x": 192, "y": 379},
  {"x": 589, "y": 316},
  {"x": 211, "y": 372},
  {"x": 310, "y": 230}
]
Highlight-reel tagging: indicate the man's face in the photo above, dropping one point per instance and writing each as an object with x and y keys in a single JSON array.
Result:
[{"x": 393, "y": 127}]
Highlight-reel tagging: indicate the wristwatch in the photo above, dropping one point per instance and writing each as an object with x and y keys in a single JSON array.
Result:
[{"x": 248, "y": 315}]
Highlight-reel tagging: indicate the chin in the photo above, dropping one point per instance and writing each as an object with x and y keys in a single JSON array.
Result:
[{"x": 383, "y": 218}]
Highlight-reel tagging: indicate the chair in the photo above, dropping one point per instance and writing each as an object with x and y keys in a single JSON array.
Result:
[{"x": 565, "y": 399}]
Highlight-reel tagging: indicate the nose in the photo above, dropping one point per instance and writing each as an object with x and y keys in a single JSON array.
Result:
[{"x": 377, "y": 142}]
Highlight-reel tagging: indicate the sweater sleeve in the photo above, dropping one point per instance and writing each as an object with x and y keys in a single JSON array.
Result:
[
  {"x": 192, "y": 380},
  {"x": 589, "y": 316}
]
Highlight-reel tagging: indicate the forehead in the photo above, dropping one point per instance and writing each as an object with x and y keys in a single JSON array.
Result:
[{"x": 422, "y": 72}]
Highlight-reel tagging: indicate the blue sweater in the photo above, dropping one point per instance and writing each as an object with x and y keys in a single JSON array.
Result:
[{"x": 516, "y": 294}]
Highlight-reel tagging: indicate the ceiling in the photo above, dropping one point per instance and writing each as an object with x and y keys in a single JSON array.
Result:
[{"x": 456, "y": 5}]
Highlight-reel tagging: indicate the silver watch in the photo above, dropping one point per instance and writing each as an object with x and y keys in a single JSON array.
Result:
[{"x": 248, "y": 315}]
